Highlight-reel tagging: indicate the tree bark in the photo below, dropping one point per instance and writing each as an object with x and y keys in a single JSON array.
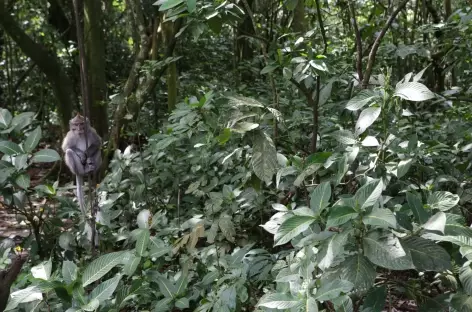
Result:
[
  {"x": 299, "y": 20},
  {"x": 95, "y": 52},
  {"x": 172, "y": 79},
  {"x": 47, "y": 63},
  {"x": 7, "y": 277}
]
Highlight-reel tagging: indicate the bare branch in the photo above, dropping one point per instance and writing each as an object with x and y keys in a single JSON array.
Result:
[{"x": 375, "y": 47}]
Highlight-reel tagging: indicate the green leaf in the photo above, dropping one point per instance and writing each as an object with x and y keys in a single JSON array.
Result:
[
  {"x": 243, "y": 127},
  {"x": 366, "y": 118},
  {"x": 386, "y": 251},
  {"x": 269, "y": 69},
  {"x": 461, "y": 302},
  {"x": 421, "y": 215},
  {"x": 105, "y": 289},
  {"x": 21, "y": 161},
  {"x": 23, "y": 181},
  {"x": 443, "y": 200},
  {"x": 403, "y": 167},
  {"x": 264, "y": 158},
  {"x": 330, "y": 248},
  {"x": 426, "y": 255},
  {"x": 291, "y": 4},
  {"x": 131, "y": 265},
  {"x": 157, "y": 248},
  {"x": 311, "y": 169},
  {"x": 361, "y": 99},
  {"x": 46, "y": 155},
  {"x": 413, "y": 91},
  {"x": 375, "y": 299},
  {"x": 343, "y": 304},
  {"x": 27, "y": 294},
  {"x": 278, "y": 301},
  {"x": 166, "y": 287},
  {"x": 338, "y": 215},
  {"x": 359, "y": 271},
  {"x": 319, "y": 198},
  {"x": 142, "y": 241},
  {"x": 224, "y": 136},
  {"x": 381, "y": 217},
  {"x": 436, "y": 222},
  {"x": 311, "y": 305},
  {"x": 333, "y": 289},
  {"x": 42, "y": 270},
  {"x": 91, "y": 306},
  {"x": 344, "y": 137},
  {"x": 5, "y": 118},
  {"x": 182, "y": 303},
  {"x": 368, "y": 194},
  {"x": 168, "y": 4},
  {"x": 69, "y": 271},
  {"x": 10, "y": 148},
  {"x": 101, "y": 266},
  {"x": 292, "y": 227},
  {"x": 191, "y": 5},
  {"x": 32, "y": 140},
  {"x": 162, "y": 305}
]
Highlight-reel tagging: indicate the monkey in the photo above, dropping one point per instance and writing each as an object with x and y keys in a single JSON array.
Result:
[{"x": 82, "y": 157}]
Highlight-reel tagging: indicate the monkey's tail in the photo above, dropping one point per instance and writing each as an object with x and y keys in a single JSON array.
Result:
[{"x": 80, "y": 194}]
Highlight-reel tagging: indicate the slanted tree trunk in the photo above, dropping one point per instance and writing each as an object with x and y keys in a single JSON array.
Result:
[
  {"x": 47, "y": 62},
  {"x": 95, "y": 53}
]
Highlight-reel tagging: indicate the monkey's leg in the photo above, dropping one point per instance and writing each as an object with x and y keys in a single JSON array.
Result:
[{"x": 75, "y": 165}]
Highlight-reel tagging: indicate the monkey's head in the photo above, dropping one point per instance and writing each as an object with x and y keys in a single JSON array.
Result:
[{"x": 77, "y": 125}]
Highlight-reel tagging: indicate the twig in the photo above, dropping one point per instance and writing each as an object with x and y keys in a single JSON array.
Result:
[{"x": 358, "y": 41}]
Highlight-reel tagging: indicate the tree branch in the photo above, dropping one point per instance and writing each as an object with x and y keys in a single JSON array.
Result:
[
  {"x": 358, "y": 41},
  {"x": 375, "y": 47}
]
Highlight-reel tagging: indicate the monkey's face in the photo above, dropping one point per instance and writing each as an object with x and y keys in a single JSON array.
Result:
[{"x": 78, "y": 128}]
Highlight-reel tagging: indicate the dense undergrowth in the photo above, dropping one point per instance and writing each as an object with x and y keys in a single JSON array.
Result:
[{"x": 227, "y": 206}]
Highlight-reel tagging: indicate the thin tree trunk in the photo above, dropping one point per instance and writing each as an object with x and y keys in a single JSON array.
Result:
[{"x": 95, "y": 52}]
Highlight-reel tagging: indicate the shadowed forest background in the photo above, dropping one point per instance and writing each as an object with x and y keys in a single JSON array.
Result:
[{"x": 259, "y": 155}]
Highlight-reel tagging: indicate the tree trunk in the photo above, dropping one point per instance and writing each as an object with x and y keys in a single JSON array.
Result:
[
  {"x": 95, "y": 52},
  {"x": 172, "y": 78},
  {"x": 299, "y": 24},
  {"x": 47, "y": 63}
]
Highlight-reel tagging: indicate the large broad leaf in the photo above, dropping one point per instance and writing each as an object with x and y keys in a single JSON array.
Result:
[
  {"x": 403, "y": 167},
  {"x": 23, "y": 181},
  {"x": 10, "y": 148},
  {"x": 386, "y": 251},
  {"x": 461, "y": 302},
  {"x": 46, "y": 155},
  {"x": 69, "y": 271},
  {"x": 426, "y": 255},
  {"x": 436, "y": 222},
  {"x": 381, "y": 218},
  {"x": 142, "y": 241},
  {"x": 311, "y": 169},
  {"x": 333, "y": 289},
  {"x": 167, "y": 4},
  {"x": 413, "y": 91},
  {"x": 338, "y": 215},
  {"x": 343, "y": 304},
  {"x": 465, "y": 276},
  {"x": 375, "y": 300},
  {"x": 101, "y": 266},
  {"x": 131, "y": 265},
  {"x": 32, "y": 140},
  {"x": 167, "y": 288},
  {"x": 344, "y": 137},
  {"x": 443, "y": 200},
  {"x": 366, "y": 118},
  {"x": 359, "y": 271},
  {"x": 292, "y": 227},
  {"x": 330, "y": 248},
  {"x": 421, "y": 215},
  {"x": 5, "y": 118},
  {"x": 367, "y": 195},
  {"x": 278, "y": 301},
  {"x": 28, "y": 294},
  {"x": 42, "y": 270},
  {"x": 361, "y": 99},
  {"x": 264, "y": 159},
  {"x": 105, "y": 289},
  {"x": 319, "y": 198}
]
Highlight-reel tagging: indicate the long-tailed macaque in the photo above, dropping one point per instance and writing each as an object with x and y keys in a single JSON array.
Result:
[{"x": 82, "y": 157}]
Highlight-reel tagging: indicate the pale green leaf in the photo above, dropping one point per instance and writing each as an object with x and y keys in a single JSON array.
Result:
[
  {"x": 366, "y": 119},
  {"x": 443, "y": 200},
  {"x": 344, "y": 137},
  {"x": 361, "y": 99},
  {"x": 278, "y": 301},
  {"x": 46, "y": 155},
  {"x": 427, "y": 255},
  {"x": 381, "y": 217},
  {"x": 105, "y": 289},
  {"x": 291, "y": 228},
  {"x": 333, "y": 289},
  {"x": 338, "y": 215},
  {"x": 413, "y": 91},
  {"x": 32, "y": 140},
  {"x": 5, "y": 118},
  {"x": 319, "y": 198},
  {"x": 69, "y": 271},
  {"x": 101, "y": 266},
  {"x": 142, "y": 242},
  {"x": 359, "y": 271},
  {"x": 264, "y": 158},
  {"x": 436, "y": 223},
  {"x": 421, "y": 215},
  {"x": 386, "y": 251},
  {"x": 368, "y": 194},
  {"x": 10, "y": 148}
]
